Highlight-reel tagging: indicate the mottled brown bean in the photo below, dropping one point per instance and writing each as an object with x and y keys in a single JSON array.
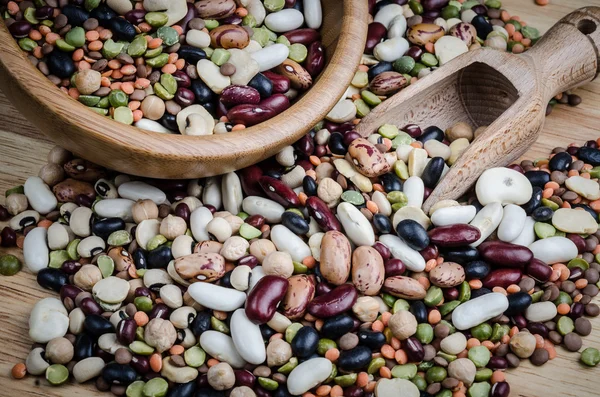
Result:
[{"x": 300, "y": 292}]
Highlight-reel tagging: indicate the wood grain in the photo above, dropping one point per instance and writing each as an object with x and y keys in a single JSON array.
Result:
[
  {"x": 23, "y": 151},
  {"x": 135, "y": 151}
]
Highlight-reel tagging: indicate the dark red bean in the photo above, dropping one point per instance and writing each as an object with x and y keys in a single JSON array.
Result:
[
  {"x": 323, "y": 288},
  {"x": 135, "y": 16},
  {"x": 191, "y": 14},
  {"x": 248, "y": 260},
  {"x": 142, "y": 291},
  {"x": 89, "y": 306},
  {"x": 239, "y": 94},
  {"x": 502, "y": 278},
  {"x": 454, "y": 235},
  {"x": 281, "y": 83},
  {"x": 500, "y": 389},
  {"x": 519, "y": 320},
  {"x": 350, "y": 136},
  {"x": 579, "y": 242},
  {"x": 276, "y": 102},
  {"x": 8, "y": 237},
  {"x": 538, "y": 270},
  {"x": 185, "y": 97},
  {"x": 182, "y": 79},
  {"x": 383, "y": 250},
  {"x": 279, "y": 191},
  {"x": 430, "y": 252},
  {"x": 44, "y": 12},
  {"x": 20, "y": 29},
  {"x": 415, "y": 52},
  {"x": 322, "y": 214},
  {"x": 577, "y": 310},
  {"x": 450, "y": 294},
  {"x": 505, "y": 254},
  {"x": 303, "y": 36},
  {"x": 339, "y": 300},
  {"x": 126, "y": 330},
  {"x": 516, "y": 167},
  {"x": 69, "y": 291},
  {"x": 249, "y": 177},
  {"x": 414, "y": 349},
  {"x": 265, "y": 296},
  {"x": 70, "y": 267},
  {"x": 306, "y": 145},
  {"x": 375, "y": 33},
  {"x": 256, "y": 220},
  {"x": 497, "y": 362},
  {"x": 538, "y": 328},
  {"x": 160, "y": 310},
  {"x": 183, "y": 211},
  {"x": 244, "y": 378},
  {"x": 4, "y": 214},
  {"x": 394, "y": 267},
  {"x": 434, "y": 4},
  {"x": 315, "y": 59},
  {"x": 249, "y": 115},
  {"x": 140, "y": 364}
]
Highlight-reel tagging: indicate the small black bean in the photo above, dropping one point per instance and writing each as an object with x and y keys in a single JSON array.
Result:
[
  {"x": 336, "y": 326},
  {"x": 84, "y": 347},
  {"x": 419, "y": 310},
  {"x": 432, "y": 132},
  {"x": 382, "y": 224},
  {"x": 201, "y": 323},
  {"x": 354, "y": 359},
  {"x": 517, "y": 303},
  {"x": 391, "y": 182},
  {"x": 119, "y": 374},
  {"x": 560, "y": 162},
  {"x": 96, "y": 325},
  {"x": 262, "y": 84},
  {"x": 305, "y": 342},
  {"x": 296, "y": 223},
  {"x": 542, "y": 214},
  {"x": 534, "y": 202},
  {"x": 433, "y": 172},
  {"x": 477, "y": 270},
  {"x": 372, "y": 339},
  {"x": 413, "y": 234},
  {"x": 52, "y": 278}
]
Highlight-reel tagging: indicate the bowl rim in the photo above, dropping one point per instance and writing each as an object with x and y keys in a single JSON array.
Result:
[{"x": 241, "y": 148}]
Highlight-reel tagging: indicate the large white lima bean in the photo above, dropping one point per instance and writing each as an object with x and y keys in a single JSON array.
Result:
[
  {"x": 503, "y": 185},
  {"x": 513, "y": 221},
  {"x": 271, "y": 210},
  {"x": 221, "y": 347},
  {"x": 115, "y": 208},
  {"x": 313, "y": 13},
  {"x": 199, "y": 219},
  {"x": 308, "y": 375},
  {"x": 479, "y": 310},
  {"x": 400, "y": 250},
  {"x": 247, "y": 338},
  {"x": 35, "y": 250},
  {"x": 271, "y": 56},
  {"x": 287, "y": 241},
  {"x": 137, "y": 190},
  {"x": 284, "y": 20},
  {"x": 216, "y": 297},
  {"x": 39, "y": 195},
  {"x": 554, "y": 250},
  {"x": 48, "y": 320},
  {"x": 356, "y": 226},
  {"x": 487, "y": 220}
]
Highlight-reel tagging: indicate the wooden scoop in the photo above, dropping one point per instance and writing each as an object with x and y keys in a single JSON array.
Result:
[{"x": 506, "y": 92}]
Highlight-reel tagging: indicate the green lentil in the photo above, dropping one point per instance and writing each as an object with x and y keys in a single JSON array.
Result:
[
  {"x": 211, "y": 24},
  {"x": 72, "y": 249},
  {"x": 274, "y": 5},
  {"x": 298, "y": 52},
  {"x": 300, "y": 268},
  {"x": 76, "y": 37},
  {"x": 375, "y": 365},
  {"x": 141, "y": 348},
  {"x": 219, "y": 325},
  {"x": 101, "y": 111},
  {"x": 346, "y": 380},
  {"x": 550, "y": 204},
  {"x": 565, "y": 325},
  {"x": 370, "y": 98},
  {"x": 111, "y": 49},
  {"x": 395, "y": 197},
  {"x": 447, "y": 357},
  {"x": 388, "y": 299},
  {"x": 324, "y": 345},
  {"x": 590, "y": 356},
  {"x": 91, "y": 4},
  {"x": 389, "y": 131},
  {"x": 283, "y": 40},
  {"x": 27, "y": 44},
  {"x": 480, "y": 389},
  {"x": 499, "y": 331},
  {"x": 289, "y": 366},
  {"x": 119, "y": 238},
  {"x": 434, "y": 296},
  {"x": 169, "y": 83},
  {"x": 9, "y": 265},
  {"x": 425, "y": 366},
  {"x": 168, "y": 35},
  {"x": 429, "y": 59},
  {"x": 402, "y": 139},
  {"x": 291, "y": 331},
  {"x": 159, "y": 61},
  {"x": 420, "y": 382},
  {"x": 480, "y": 355},
  {"x": 360, "y": 79},
  {"x": 483, "y": 375},
  {"x": 104, "y": 103},
  {"x": 220, "y": 56},
  {"x": 544, "y": 230},
  {"x": 401, "y": 169},
  {"x": 153, "y": 52},
  {"x": 416, "y": 7},
  {"x": 155, "y": 387},
  {"x": 400, "y": 304},
  {"x": 15, "y": 190},
  {"x": 135, "y": 389},
  {"x": 162, "y": 92},
  {"x": 467, "y": 5},
  {"x": 595, "y": 172},
  {"x": 57, "y": 258},
  {"x": 57, "y": 374},
  {"x": 530, "y": 32},
  {"x": 578, "y": 262},
  {"x": 123, "y": 115},
  {"x": 137, "y": 47},
  {"x": 334, "y": 372},
  {"x": 447, "y": 307},
  {"x": 118, "y": 98},
  {"x": 64, "y": 46},
  {"x": 424, "y": 333},
  {"x": 156, "y": 242},
  {"x": 139, "y": 333},
  {"x": 89, "y": 100},
  {"x": 482, "y": 331},
  {"x": 362, "y": 109},
  {"x": 140, "y": 272},
  {"x": 418, "y": 67},
  {"x": 261, "y": 35},
  {"x": 493, "y": 3},
  {"x": 267, "y": 383},
  {"x": 450, "y": 12},
  {"x": 143, "y": 303},
  {"x": 353, "y": 197},
  {"x": 404, "y": 64},
  {"x": 464, "y": 292},
  {"x": 156, "y": 19},
  {"x": 563, "y": 297},
  {"x": 194, "y": 356},
  {"x": 435, "y": 374},
  {"x": 404, "y": 371},
  {"x": 536, "y": 296},
  {"x": 249, "y": 232},
  {"x": 29, "y": 15}
]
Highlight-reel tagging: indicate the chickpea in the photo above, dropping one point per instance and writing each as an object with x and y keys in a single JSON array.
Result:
[
  {"x": 242, "y": 391},
  {"x": 59, "y": 155},
  {"x": 221, "y": 376},
  {"x": 172, "y": 227},
  {"x": 261, "y": 248},
  {"x": 234, "y": 248},
  {"x": 16, "y": 203},
  {"x": 403, "y": 324},
  {"x": 87, "y": 277},
  {"x": 143, "y": 210},
  {"x": 52, "y": 174},
  {"x": 279, "y": 352},
  {"x": 366, "y": 308},
  {"x": 278, "y": 264},
  {"x": 59, "y": 351}
]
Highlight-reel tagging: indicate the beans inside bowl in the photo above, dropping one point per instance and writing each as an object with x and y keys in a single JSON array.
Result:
[{"x": 175, "y": 66}]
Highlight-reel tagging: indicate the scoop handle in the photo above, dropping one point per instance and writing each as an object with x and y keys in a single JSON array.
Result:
[{"x": 567, "y": 55}]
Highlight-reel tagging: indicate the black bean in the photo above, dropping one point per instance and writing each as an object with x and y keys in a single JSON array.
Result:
[
  {"x": 381, "y": 67},
  {"x": 413, "y": 234},
  {"x": 534, "y": 202},
  {"x": 517, "y": 303},
  {"x": 96, "y": 325},
  {"x": 391, "y": 182},
  {"x": 169, "y": 121},
  {"x": 294, "y": 222},
  {"x": 200, "y": 324},
  {"x": 160, "y": 257},
  {"x": 75, "y": 15},
  {"x": 382, "y": 224},
  {"x": 266, "y": 331},
  {"x": 353, "y": 359},
  {"x": 191, "y": 54},
  {"x": 336, "y": 326},
  {"x": 309, "y": 185},
  {"x": 103, "y": 14},
  {"x": 60, "y": 64},
  {"x": 139, "y": 259},
  {"x": 482, "y": 26},
  {"x": 433, "y": 172},
  {"x": 305, "y": 342},
  {"x": 52, "y": 278},
  {"x": 477, "y": 270},
  {"x": 103, "y": 228},
  {"x": 183, "y": 390},
  {"x": 476, "y": 293},
  {"x": 372, "y": 339},
  {"x": 589, "y": 155},
  {"x": 209, "y": 392},
  {"x": 419, "y": 310},
  {"x": 119, "y": 374},
  {"x": 538, "y": 178},
  {"x": 461, "y": 255},
  {"x": 202, "y": 93},
  {"x": 542, "y": 214},
  {"x": 560, "y": 162},
  {"x": 336, "y": 144},
  {"x": 262, "y": 84},
  {"x": 432, "y": 132},
  {"x": 84, "y": 347},
  {"x": 282, "y": 391}
]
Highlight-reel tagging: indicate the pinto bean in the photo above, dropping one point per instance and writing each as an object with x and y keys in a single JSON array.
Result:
[
  {"x": 300, "y": 292},
  {"x": 404, "y": 287},
  {"x": 335, "y": 257},
  {"x": 368, "y": 271}
]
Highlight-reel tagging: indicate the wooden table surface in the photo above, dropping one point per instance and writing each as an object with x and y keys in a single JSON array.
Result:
[{"x": 23, "y": 151}]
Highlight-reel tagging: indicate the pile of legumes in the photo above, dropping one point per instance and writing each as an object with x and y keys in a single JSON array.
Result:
[
  {"x": 313, "y": 275},
  {"x": 213, "y": 66}
]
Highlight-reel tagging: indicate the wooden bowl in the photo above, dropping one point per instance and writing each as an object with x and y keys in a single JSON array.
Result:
[{"x": 129, "y": 149}]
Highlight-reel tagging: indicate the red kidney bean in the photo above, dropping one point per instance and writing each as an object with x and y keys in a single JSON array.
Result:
[
  {"x": 256, "y": 220},
  {"x": 276, "y": 102},
  {"x": 430, "y": 252},
  {"x": 414, "y": 349},
  {"x": 575, "y": 274},
  {"x": 303, "y": 36},
  {"x": 89, "y": 306},
  {"x": 279, "y": 191},
  {"x": 4, "y": 214},
  {"x": 281, "y": 83},
  {"x": 579, "y": 242},
  {"x": 126, "y": 331},
  {"x": 249, "y": 177},
  {"x": 142, "y": 291},
  {"x": 516, "y": 167},
  {"x": 182, "y": 79},
  {"x": 538, "y": 328},
  {"x": 239, "y": 94},
  {"x": 454, "y": 235},
  {"x": 350, "y": 136},
  {"x": 183, "y": 211},
  {"x": 262, "y": 392},
  {"x": 450, "y": 294},
  {"x": 249, "y": 115},
  {"x": 322, "y": 214},
  {"x": 505, "y": 254},
  {"x": 383, "y": 250},
  {"x": 323, "y": 288},
  {"x": 339, "y": 300},
  {"x": 290, "y": 3},
  {"x": 415, "y": 52},
  {"x": 502, "y": 278},
  {"x": 315, "y": 59},
  {"x": 375, "y": 33},
  {"x": 191, "y": 14},
  {"x": 248, "y": 260},
  {"x": 265, "y": 296},
  {"x": 306, "y": 145},
  {"x": 135, "y": 16},
  {"x": 394, "y": 267},
  {"x": 69, "y": 291},
  {"x": 500, "y": 389},
  {"x": 20, "y": 29},
  {"x": 244, "y": 378},
  {"x": 538, "y": 270},
  {"x": 8, "y": 237},
  {"x": 577, "y": 309}
]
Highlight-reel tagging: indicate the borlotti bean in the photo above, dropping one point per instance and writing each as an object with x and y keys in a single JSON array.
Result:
[
  {"x": 216, "y": 297},
  {"x": 247, "y": 338},
  {"x": 221, "y": 347},
  {"x": 554, "y": 250},
  {"x": 35, "y": 250},
  {"x": 479, "y": 310},
  {"x": 308, "y": 375},
  {"x": 39, "y": 195}
]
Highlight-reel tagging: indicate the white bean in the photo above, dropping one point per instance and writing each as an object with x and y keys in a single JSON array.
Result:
[
  {"x": 115, "y": 208},
  {"x": 87, "y": 369},
  {"x": 308, "y": 375},
  {"x": 356, "y": 225},
  {"x": 554, "y": 250},
  {"x": 231, "y": 191},
  {"x": 397, "y": 27},
  {"x": 313, "y": 13},
  {"x": 90, "y": 246},
  {"x": 504, "y": 185},
  {"x": 414, "y": 190},
  {"x": 59, "y": 236},
  {"x": 445, "y": 216},
  {"x": 199, "y": 219},
  {"x": 216, "y": 297},
  {"x": 145, "y": 230},
  {"x": 284, "y": 20},
  {"x": 35, "y": 250},
  {"x": 137, "y": 190},
  {"x": 479, "y": 310},
  {"x": 391, "y": 49},
  {"x": 39, "y": 195},
  {"x": 527, "y": 235},
  {"x": 182, "y": 246},
  {"x": 221, "y": 347},
  {"x": 513, "y": 221},
  {"x": 541, "y": 311},
  {"x": 287, "y": 241},
  {"x": 271, "y": 56},
  {"x": 487, "y": 220},
  {"x": 271, "y": 210},
  {"x": 48, "y": 320},
  {"x": 247, "y": 338},
  {"x": 386, "y": 14},
  {"x": 411, "y": 258}
]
